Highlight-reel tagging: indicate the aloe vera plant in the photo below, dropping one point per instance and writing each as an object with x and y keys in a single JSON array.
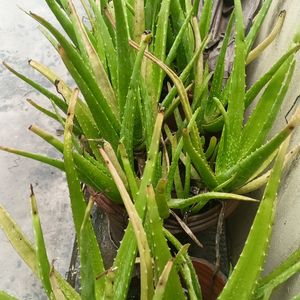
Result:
[
  {"x": 123, "y": 79},
  {"x": 244, "y": 283},
  {"x": 96, "y": 282},
  {"x": 149, "y": 121}
]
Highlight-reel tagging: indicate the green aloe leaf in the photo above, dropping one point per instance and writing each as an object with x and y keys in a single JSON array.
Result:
[
  {"x": 148, "y": 113},
  {"x": 243, "y": 279},
  {"x": 5, "y": 296},
  {"x": 88, "y": 172},
  {"x": 44, "y": 159},
  {"x": 91, "y": 171},
  {"x": 105, "y": 40},
  {"x": 87, "y": 279},
  {"x": 160, "y": 250},
  {"x": 205, "y": 18},
  {"x": 199, "y": 162},
  {"x": 161, "y": 198},
  {"x": 251, "y": 36},
  {"x": 258, "y": 86},
  {"x": 187, "y": 268},
  {"x": 183, "y": 76},
  {"x": 166, "y": 275},
  {"x": 187, "y": 177},
  {"x": 124, "y": 53},
  {"x": 105, "y": 130},
  {"x": 18, "y": 240},
  {"x": 50, "y": 114},
  {"x": 159, "y": 48},
  {"x": 228, "y": 153},
  {"x": 91, "y": 57},
  {"x": 63, "y": 20},
  {"x": 289, "y": 267},
  {"x": 41, "y": 253},
  {"x": 151, "y": 11},
  {"x": 186, "y": 48},
  {"x": 265, "y": 112},
  {"x": 182, "y": 94},
  {"x": 176, "y": 156},
  {"x": 178, "y": 39},
  {"x": 176, "y": 178},
  {"x": 82, "y": 112},
  {"x": 84, "y": 117},
  {"x": 203, "y": 198},
  {"x": 58, "y": 102},
  {"x": 127, "y": 251},
  {"x": 139, "y": 20},
  {"x": 102, "y": 113},
  {"x": 218, "y": 77},
  {"x": 111, "y": 126},
  {"x": 26, "y": 251},
  {"x": 78, "y": 205},
  {"x": 239, "y": 174},
  {"x": 132, "y": 100},
  {"x": 140, "y": 234},
  {"x": 130, "y": 175}
]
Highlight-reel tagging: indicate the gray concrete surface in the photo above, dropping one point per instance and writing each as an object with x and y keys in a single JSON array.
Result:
[
  {"x": 286, "y": 233},
  {"x": 21, "y": 40}
]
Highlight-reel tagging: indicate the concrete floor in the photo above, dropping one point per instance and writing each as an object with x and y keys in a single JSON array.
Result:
[{"x": 21, "y": 40}]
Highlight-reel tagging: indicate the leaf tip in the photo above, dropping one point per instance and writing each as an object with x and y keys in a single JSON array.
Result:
[{"x": 31, "y": 191}]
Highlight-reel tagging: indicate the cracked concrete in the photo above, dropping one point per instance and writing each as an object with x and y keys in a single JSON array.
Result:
[{"x": 21, "y": 40}]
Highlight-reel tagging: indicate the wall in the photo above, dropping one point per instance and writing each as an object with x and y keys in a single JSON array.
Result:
[{"x": 286, "y": 232}]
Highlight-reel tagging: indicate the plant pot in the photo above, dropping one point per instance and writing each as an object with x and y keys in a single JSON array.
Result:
[
  {"x": 202, "y": 220},
  {"x": 208, "y": 252},
  {"x": 117, "y": 217},
  {"x": 110, "y": 219},
  {"x": 211, "y": 284},
  {"x": 108, "y": 246}
]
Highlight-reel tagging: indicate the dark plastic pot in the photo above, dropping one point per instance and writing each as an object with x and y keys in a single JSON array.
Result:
[
  {"x": 118, "y": 218},
  {"x": 116, "y": 215},
  {"x": 202, "y": 220}
]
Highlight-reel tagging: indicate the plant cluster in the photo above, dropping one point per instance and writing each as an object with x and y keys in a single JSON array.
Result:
[{"x": 149, "y": 120}]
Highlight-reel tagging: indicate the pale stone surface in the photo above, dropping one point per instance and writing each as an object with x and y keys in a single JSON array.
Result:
[
  {"x": 21, "y": 40},
  {"x": 286, "y": 234}
]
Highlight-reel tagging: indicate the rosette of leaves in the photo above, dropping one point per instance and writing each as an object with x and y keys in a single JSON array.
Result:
[
  {"x": 159, "y": 267},
  {"x": 129, "y": 58},
  {"x": 138, "y": 64}
]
